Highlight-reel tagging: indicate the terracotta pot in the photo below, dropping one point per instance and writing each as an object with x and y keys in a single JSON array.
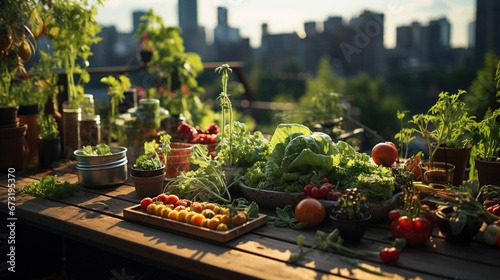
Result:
[
  {"x": 437, "y": 172},
  {"x": 352, "y": 231},
  {"x": 177, "y": 159},
  {"x": 12, "y": 143},
  {"x": 488, "y": 172},
  {"x": 148, "y": 186},
  {"x": 458, "y": 157},
  {"x": 29, "y": 115},
  {"x": 49, "y": 152}
]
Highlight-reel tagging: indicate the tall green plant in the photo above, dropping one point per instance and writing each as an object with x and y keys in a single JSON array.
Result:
[
  {"x": 48, "y": 127},
  {"x": 72, "y": 29},
  {"x": 227, "y": 109}
]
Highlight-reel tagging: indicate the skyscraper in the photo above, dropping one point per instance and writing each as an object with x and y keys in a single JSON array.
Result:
[
  {"x": 487, "y": 27},
  {"x": 193, "y": 35}
]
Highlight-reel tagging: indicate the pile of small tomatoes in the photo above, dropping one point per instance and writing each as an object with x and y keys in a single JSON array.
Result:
[
  {"x": 322, "y": 189},
  {"x": 203, "y": 214}
]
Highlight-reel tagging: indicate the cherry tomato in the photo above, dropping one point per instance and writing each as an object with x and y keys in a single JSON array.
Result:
[
  {"x": 308, "y": 188},
  {"x": 325, "y": 189},
  {"x": 389, "y": 254},
  {"x": 181, "y": 202},
  {"x": 162, "y": 197},
  {"x": 335, "y": 195},
  {"x": 172, "y": 199},
  {"x": 310, "y": 210},
  {"x": 315, "y": 193},
  {"x": 405, "y": 223},
  {"x": 394, "y": 214},
  {"x": 323, "y": 179},
  {"x": 145, "y": 203},
  {"x": 384, "y": 154}
]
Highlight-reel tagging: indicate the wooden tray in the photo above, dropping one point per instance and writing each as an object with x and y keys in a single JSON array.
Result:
[{"x": 136, "y": 213}]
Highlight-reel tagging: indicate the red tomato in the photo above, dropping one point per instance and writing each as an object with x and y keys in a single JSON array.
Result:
[
  {"x": 325, "y": 189},
  {"x": 310, "y": 210},
  {"x": 315, "y": 193},
  {"x": 145, "y": 203},
  {"x": 394, "y": 214},
  {"x": 323, "y": 179},
  {"x": 389, "y": 254},
  {"x": 172, "y": 199},
  {"x": 335, "y": 195},
  {"x": 392, "y": 144},
  {"x": 308, "y": 188},
  {"x": 384, "y": 154},
  {"x": 181, "y": 202},
  {"x": 162, "y": 197},
  {"x": 416, "y": 231}
]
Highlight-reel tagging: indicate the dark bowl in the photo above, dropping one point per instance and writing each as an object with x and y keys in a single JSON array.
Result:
[
  {"x": 470, "y": 229},
  {"x": 352, "y": 231}
]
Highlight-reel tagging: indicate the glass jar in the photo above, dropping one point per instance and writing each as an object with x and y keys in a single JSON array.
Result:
[{"x": 90, "y": 130}]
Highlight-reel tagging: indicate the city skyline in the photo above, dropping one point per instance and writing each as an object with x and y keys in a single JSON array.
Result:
[{"x": 248, "y": 16}]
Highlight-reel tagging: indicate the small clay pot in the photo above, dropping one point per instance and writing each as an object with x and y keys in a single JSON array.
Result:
[
  {"x": 470, "y": 229},
  {"x": 148, "y": 186}
]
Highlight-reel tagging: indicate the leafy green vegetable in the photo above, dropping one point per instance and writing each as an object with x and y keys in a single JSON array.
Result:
[
  {"x": 376, "y": 187},
  {"x": 48, "y": 127},
  {"x": 100, "y": 150},
  {"x": 246, "y": 149},
  {"x": 207, "y": 183},
  {"x": 150, "y": 160},
  {"x": 49, "y": 186},
  {"x": 255, "y": 176},
  {"x": 283, "y": 130},
  {"x": 286, "y": 218}
]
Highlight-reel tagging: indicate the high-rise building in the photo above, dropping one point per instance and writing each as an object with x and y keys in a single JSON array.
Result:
[
  {"x": 193, "y": 35},
  {"x": 487, "y": 27},
  {"x": 228, "y": 44},
  {"x": 136, "y": 20}
]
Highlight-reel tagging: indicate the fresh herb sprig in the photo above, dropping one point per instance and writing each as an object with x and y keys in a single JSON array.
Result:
[
  {"x": 286, "y": 218},
  {"x": 50, "y": 186},
  {"x": 100, "y": 150},
  {"x": 150, "y": 159},
  {"x": 227, "y": 108}
]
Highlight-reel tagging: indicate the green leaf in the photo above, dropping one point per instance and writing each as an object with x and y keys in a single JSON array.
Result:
[{"x": 283, "y": 130}]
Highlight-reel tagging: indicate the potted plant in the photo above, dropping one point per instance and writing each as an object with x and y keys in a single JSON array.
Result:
[
  {"x": 351, "y": 215},
  {"x": 452, "y": 132},
  {"x": 49, "y": 144},
  {"x": 486, "y": 151},
  {"x": 148, "y": 173}
]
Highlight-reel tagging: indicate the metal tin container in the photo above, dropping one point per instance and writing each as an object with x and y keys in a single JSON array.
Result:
[{"x": 102, "y": 171}]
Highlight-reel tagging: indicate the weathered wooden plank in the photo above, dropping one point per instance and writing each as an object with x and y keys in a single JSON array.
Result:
[{"x": 174, "y": 250}]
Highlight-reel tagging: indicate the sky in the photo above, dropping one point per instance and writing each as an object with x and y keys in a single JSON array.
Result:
[{"x": 287, "y": 16}]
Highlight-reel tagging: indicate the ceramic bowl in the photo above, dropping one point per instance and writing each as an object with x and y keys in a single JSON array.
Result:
[{"x": 271, "y": 199}]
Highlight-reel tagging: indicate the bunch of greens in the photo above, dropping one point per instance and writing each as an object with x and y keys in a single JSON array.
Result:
[
  {"x": 116, "y": 90},
  {"x": 286, "y": 218},
  {"x": 207, "y": 183},
  {"x": 245, "y": 149},
  {"x": 100, "y": 150},
  {"x": 50, "y": 186},
  {"x": 150, "y": 160},
  {"x": 48, "y": 127},
  {"x": 255, "y": 176},
  {"x": 377, "y": 187}
]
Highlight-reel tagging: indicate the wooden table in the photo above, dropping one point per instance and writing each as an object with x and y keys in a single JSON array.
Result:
[{"x": 94, "y": 217}]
